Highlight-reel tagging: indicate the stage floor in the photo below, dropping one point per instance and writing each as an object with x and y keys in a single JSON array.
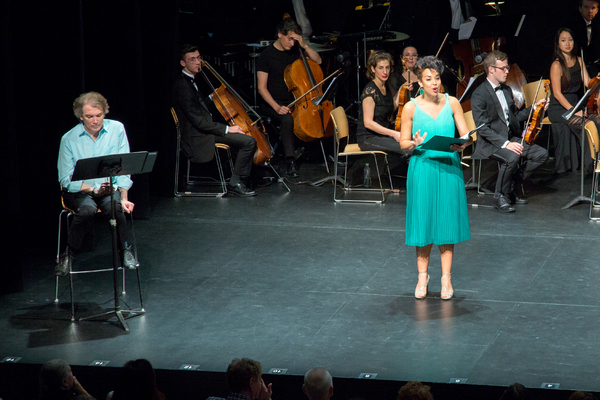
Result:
[{"x": 295, "y": 280}]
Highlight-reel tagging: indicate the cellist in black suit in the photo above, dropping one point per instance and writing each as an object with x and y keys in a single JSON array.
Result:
[
  {"x": 500, "y": 136},
  {"x": 199, "y": 132}
]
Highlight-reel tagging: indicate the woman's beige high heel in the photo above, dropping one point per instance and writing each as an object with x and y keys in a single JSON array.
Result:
[
  {"x": 421, "y": 292},
  {"x": 446, "y": 294}
]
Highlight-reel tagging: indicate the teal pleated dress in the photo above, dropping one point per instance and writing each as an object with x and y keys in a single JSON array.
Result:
[{"x": 436, "y": 209}]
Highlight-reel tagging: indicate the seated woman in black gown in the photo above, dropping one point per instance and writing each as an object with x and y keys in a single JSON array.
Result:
[
  {"x": 377, "y": 117},
  {"x": 568, "y": 76}
]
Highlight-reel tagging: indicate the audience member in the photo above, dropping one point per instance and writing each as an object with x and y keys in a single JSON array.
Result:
[
  {"x": 579, "y": 395},
  {"x": 516, "y": 391},
  {"x": 414, "y": 391},
  {"x": 244, "y": 378},
  {"x": 318, "y": 384},
  {"x": 137, "y": 381},
  {"x": 57, "y": 382}
]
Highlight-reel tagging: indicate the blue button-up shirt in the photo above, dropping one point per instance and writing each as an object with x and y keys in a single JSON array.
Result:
[{"x": 77, "y": 143}]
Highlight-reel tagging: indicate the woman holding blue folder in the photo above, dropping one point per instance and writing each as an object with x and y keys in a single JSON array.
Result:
[{"x": 436, "y": 210}]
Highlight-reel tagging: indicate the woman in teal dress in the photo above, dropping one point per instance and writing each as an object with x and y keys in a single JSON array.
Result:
[{"x": 436, "y": 209}]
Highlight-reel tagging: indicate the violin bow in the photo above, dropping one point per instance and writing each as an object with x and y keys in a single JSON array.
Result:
[
  {"x": 215, "y": 92},
  {"x": 443, "y": 43},
  {"x": 223, "y": 82}
]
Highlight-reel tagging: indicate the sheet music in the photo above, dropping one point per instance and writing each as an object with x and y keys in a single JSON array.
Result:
[
  {"x": 471, "y": 80},
  {"x": 466, "y": 28}
]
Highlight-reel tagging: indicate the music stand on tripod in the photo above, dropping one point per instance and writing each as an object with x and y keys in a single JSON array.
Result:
[
  {"x": 329, "y": 94},
  {"x": 109, "y": 167},
  {"x": 567, "y": 116}
]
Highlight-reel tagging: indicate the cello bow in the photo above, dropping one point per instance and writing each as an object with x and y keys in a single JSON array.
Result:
[{"x": 313, "y": 88}]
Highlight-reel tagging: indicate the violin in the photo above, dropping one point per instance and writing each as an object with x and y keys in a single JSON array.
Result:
[
  {"x": 536, "y": 116},
  {"x": 403, "y": 95},
  {"x": 235, "y": 111}
]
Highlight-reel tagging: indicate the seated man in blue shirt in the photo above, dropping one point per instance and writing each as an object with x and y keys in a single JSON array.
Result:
[
  {"x": 244, "y": 378},
  {"x": 93, "y": 137}
]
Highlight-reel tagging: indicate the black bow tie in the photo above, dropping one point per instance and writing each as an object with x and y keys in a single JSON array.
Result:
[{"x": 498, "y": 88}]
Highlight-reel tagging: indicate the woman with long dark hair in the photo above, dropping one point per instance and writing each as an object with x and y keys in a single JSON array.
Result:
[{"x": 568, "y": 76}]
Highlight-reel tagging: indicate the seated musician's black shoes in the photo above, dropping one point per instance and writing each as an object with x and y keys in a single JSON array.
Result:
[
  {"x": 503, "y": 204},
  {"x": 516, "y": 199},
  {"x": 63, "y": 266},
  {"x": 292, "y": 170},
  {"x": 128, "y": 260},
  {"x": 240, "y": 190}
]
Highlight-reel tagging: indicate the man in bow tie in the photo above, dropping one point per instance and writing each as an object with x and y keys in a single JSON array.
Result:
[
  {"x": 586, "y": 32},
  {"x": 199, "y": 132},
  {"x": 500, "y": 136}
]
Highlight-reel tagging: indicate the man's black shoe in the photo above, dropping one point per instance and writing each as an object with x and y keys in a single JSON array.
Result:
[
  {"x": 63, "y": 266},
  {"x": 503, "y": 204},
  {"x": 240, "y": 190},
  {"x": 128, "y": 260},
  {"x": 516, "y": 199},
  {"x": 292, "y": 170}
]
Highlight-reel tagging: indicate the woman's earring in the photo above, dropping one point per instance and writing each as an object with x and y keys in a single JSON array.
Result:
[{"x": 421, "y": 91}]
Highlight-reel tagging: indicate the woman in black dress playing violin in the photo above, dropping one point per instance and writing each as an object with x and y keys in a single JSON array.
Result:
[{"x": 406, "y": 76}]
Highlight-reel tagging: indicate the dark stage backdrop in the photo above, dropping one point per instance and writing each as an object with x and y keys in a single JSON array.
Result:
[{"x": 51, "y": 51}]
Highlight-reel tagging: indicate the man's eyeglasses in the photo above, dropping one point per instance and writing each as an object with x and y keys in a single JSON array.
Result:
[
  {"x": 505, "y": 69},
  {"x": 194, "y": 59}
]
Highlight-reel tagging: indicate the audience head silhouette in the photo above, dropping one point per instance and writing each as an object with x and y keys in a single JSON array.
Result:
[
  {"x": 55, "y": 376},
  {"x": 318, "y": 384},
  {"x": 414, "y": 391},
  {"x": 516, "y": 391},
  {"x": 137, "y": 381},
  {"x": 579, "y": 395},
  {"x": 244, "y": 376}
]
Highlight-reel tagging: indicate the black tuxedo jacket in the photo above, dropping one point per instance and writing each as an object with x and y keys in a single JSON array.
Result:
[
  {"x": 488, "y": 111},
  {"x": 198, "y": 130},
  {"x": 591, "y": 53}
]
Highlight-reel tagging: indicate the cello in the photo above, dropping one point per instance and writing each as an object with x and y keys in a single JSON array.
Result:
[
  {"x": 311, "y": 121},
  {"x": 235, "y": 111}
]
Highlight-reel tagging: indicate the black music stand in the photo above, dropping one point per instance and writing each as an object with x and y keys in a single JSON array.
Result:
[
  {"x": 111, "y": 166},
  {"x": 329, "y": 94},
  {"x": 567, "y": 116}
]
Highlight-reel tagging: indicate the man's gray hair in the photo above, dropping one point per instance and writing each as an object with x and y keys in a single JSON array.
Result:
[
  {"x": 93, "y": 99},
  {"x": 52, "y": 374}
]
